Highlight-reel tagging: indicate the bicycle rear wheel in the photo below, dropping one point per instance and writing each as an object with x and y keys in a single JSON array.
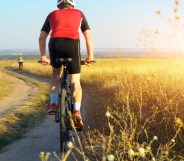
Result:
[
  {"x": 64, "y": 131},
  {"x": 21, "y": 66}
]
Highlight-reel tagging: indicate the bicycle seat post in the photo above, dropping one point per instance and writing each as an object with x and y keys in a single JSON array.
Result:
[{"x": 64, "y": 62}]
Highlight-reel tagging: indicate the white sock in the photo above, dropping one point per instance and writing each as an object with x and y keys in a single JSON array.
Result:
[
  {"x": 76, "y": 106},
  {"x": 53, "y": 97}
]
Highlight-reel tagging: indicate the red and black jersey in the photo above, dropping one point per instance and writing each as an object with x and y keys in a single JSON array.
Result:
[{"x": 65, "y": 23}]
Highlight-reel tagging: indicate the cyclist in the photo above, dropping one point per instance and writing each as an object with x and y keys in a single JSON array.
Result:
[
  {"x": 20, "y": 61},
  {"x": 64, "y": 43}
]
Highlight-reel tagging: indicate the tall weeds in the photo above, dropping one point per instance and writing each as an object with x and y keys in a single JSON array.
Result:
[
  {"x": 135, "y": 110},
  {"x": 143, "y": 100}
]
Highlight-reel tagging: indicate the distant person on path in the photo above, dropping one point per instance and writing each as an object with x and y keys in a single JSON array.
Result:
[
  {"x": 20, "y": 62},
  {"x": 64, "y": 43}
]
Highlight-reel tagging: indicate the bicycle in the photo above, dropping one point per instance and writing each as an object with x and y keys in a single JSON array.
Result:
[{"x": 64, "y": 111}]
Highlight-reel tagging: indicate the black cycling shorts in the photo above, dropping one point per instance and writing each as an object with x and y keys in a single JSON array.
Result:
[{"x": 65, "y": 48}]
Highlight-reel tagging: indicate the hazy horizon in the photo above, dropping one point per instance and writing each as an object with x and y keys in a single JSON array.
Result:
[
  {"x": 98, "y": 53},
  {"x": 109, "y": 49}
]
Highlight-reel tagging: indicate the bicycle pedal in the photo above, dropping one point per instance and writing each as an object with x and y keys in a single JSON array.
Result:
[
  {"x": 70, "y": 128},
  {"x": 79, "y": 129},
  {"x": 76, "y": 120},
  {"x": 57, "y": 121}
]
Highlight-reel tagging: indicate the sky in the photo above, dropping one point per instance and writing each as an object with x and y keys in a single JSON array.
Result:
[{"x": 114, "y": 24}]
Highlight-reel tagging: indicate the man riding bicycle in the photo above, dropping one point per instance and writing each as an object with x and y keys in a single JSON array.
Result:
[{"x": 64, "y": 43}]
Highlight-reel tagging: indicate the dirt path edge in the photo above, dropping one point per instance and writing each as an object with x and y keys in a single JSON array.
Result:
[{"x": 15, "y": 123}]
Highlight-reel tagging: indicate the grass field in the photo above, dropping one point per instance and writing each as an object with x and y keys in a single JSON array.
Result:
[
  {"x": 15, "y": 124},
  {"x": 142, "y": 98},
  {"x": 137, "y": 107},
  {"x": 6, "y": 86}
]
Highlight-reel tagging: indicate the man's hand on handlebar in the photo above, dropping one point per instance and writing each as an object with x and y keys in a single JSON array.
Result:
[
  {"x": 44, "y": 60},
  {"x": 88, "y": 61}
]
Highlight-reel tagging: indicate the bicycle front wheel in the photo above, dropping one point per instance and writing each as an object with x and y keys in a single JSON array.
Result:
[{"x": 64, "y": 131}]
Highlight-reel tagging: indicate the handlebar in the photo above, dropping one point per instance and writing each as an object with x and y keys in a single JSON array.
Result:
[
  {"x": 86, "y": 62},
  {"x": 83, "y": 62},
  {"x": 43, "y": 62}
]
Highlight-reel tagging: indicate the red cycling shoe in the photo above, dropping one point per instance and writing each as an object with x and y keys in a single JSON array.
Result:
[
  {"x": 77, "y": 120},
  {"x": 52, "y": 109}
]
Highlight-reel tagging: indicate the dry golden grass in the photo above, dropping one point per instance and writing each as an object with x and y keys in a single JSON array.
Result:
[
  {"x": 145, "y": 97},
  {"x": 143, "y": 101},
  {"x": 5, "y": 83},
  {"x": 33, "y": 67},
  {"x": 6, "y": 86}
]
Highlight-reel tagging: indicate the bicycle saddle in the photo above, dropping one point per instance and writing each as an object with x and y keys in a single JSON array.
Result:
[{"x": 64, "y": 60}]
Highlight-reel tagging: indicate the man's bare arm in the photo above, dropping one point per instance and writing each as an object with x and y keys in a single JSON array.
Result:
[
  {"x": 89, "y": 44},
  {"x": 42, "y": 45}
]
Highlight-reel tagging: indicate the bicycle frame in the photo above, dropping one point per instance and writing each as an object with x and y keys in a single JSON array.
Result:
[
  {"x": 64, "y": 114},
  {"x": 64, "y": 85}
]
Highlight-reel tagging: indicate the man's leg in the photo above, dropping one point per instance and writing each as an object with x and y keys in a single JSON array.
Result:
[
  {"x": 76, "y": 98},
  {"x": 55, "y": 78},
  {"x": 54, "y": 83},
  {"x": 76, "y": 91}
]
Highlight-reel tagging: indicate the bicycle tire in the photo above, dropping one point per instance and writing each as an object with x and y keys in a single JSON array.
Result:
[{"x": 64, "y": 132}]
